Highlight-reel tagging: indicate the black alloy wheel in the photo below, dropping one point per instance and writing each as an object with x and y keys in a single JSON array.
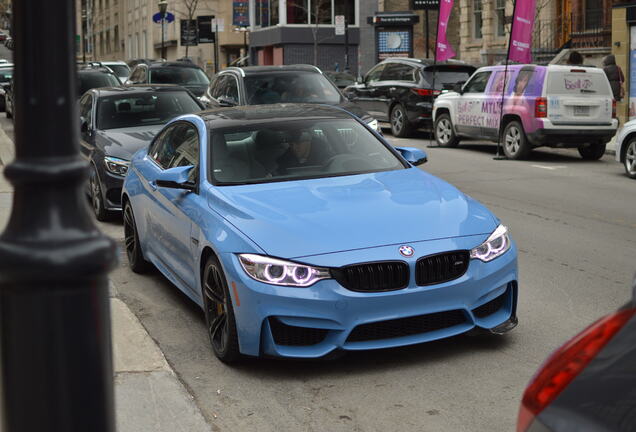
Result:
[
  {"x": 593, "y": 151},
  {"x": 219, "y": 313},
  {"x": 400, "y": 126},
  {"x": 97, "y": 203},
  {"x": 135, "y": 256}
]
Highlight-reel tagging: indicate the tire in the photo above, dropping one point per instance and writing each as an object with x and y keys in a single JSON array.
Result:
[
  {"x": 593, "y": 151},
  {"x": 629, "y": 158},
  {"x": 97, "y": 201},
  {"x": 400, "y": 126},
  {"x": 135, "y": 256},
  {"x": 514, "y": 141},
  {"x": 444, "y": 133},
  {"x": 219, "y": 313}
]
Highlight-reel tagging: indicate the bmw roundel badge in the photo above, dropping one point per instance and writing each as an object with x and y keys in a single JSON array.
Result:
[{"x": 407, "y": 251}]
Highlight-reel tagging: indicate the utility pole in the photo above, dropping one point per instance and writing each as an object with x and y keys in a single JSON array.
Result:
[{"x": 55, "y": 339}]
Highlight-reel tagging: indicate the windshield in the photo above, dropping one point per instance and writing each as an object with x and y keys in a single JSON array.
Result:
[
  {"x": 5, "y": 75},
  {"x": 178, "y": 75},
  {"x": 296, "y": 150},
  {"x": 92, "y": 80},
  {"x": 125, "y": 110},
  {"x": 307, "y": 87},
  {"x": 120, "y": 70}
]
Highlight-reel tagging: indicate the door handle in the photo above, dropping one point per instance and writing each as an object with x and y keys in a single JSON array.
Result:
[{"x": 153, "y": 185}]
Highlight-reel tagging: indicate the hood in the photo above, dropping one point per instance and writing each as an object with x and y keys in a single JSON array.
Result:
[
  {"x": 312, "y": 217},
  {"x": 123, "y": 143},
  {"x": 609, "y": 60},
  {"x": 356, "y": 111}
]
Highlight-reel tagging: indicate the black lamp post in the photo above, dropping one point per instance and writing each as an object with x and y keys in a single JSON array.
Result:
[
  {"x": 55, "y": 341},
  {"x": 163, "y": 6}
]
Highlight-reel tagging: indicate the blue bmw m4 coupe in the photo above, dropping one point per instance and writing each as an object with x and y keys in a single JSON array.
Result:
[{"x": 301, "y": 231}]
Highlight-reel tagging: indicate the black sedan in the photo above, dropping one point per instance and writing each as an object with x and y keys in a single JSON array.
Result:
[
  {"x": 589, "y": 383},
  {"x": 260, "y": 85},
  {"x": 115, "y": 122},
  {"x": 402, "y": 90}
]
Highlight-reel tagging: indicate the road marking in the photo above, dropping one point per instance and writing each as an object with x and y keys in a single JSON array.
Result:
[{"x": 549, "y": 167}]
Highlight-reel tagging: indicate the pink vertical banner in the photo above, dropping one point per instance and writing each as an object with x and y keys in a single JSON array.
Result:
[
  {"x": 521, "y": 36},
  {"x": 443, "y": 50}
]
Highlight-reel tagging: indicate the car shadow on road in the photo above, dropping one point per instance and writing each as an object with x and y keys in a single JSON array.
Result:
[{"x": 542, "y": 154}]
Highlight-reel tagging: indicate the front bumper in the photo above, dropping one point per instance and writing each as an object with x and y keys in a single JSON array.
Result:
[
  {"x": 111, "y": 189},
  {"x": 312, "y": 322}
]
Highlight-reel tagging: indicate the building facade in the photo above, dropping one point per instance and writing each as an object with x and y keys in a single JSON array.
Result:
[
  {"x": 125, "y": 30},
  {"x": 303, "y": 31}
]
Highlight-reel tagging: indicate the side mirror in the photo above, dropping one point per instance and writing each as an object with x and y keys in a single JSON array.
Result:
[
  {"x": 413, "y": 155},
  {"x": 458, "y": 87},
  {"x": 225, "y": 101},
  {"x": 176, "y": 178}
]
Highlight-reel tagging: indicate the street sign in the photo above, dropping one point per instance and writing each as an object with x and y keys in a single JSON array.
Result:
[
  {"x": 157, "y": 17},
  {"x": 206, "y": 33},
  {"x": 189, "y": 33},
  {"x": 218, "y": 24},
  {"x": 340, "y": 25},
  {"x": 424, "y": 4}
]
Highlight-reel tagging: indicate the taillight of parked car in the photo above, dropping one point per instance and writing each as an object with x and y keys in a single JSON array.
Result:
[
  {"x": 425, "y": 92},
  {"x": 541, "y": 107},
  {"x": 566, "y": 363},
  {"x": 613, "y": 108}
]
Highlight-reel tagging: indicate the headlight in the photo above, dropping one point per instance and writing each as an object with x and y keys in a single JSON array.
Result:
[
  {"x": 496, "y": 245},
  {"x": 278, "y": 272},
  {"x": 116, "y": 166},
  {"x": 373, "y": 124}
]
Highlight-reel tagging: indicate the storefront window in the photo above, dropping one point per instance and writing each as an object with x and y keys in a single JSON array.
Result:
[{"x": 297, "y": 11}]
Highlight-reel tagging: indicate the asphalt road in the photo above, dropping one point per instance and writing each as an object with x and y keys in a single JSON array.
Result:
[{"x": 574, "y": 224}]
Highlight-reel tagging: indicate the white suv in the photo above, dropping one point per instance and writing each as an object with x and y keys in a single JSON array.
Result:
[{"x": 556, "y": 106}]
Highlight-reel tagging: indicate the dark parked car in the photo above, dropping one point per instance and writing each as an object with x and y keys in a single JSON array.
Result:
[
  {"x": 6, "y": 73},
  {"x": 401, "y": 90},
  {"x": 94, "y": 76},
  {"x": 588, "y": 383},
  {"x": 259, "y": 85},
  {"x": 115, "y": 123},
  {"x": 182, "y": 73}
]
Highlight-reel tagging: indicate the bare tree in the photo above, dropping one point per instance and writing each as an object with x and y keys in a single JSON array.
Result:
[
  {"x": 319, "y": 13},
  {"x": 191, "y": 9}
]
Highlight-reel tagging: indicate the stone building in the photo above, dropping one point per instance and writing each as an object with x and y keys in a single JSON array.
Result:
[{"x": 124, "y": 30}]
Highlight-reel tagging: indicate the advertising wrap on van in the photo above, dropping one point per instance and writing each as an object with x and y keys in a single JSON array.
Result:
[
  {"x": 521, "y": 36},
  {"x": 524, "y": 83}
]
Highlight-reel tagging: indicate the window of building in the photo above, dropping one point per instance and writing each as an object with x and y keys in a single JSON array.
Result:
[
  {"x": 500, "y": 13},
  {"x": 297, "y": 11},
  {"x": 107, "y": 41},
  {"x": 116, "y": 34},
  {"x": 593, "y": 14},
  {"x": 346, "y": 8},
  {"x": 266, "y": 13},
  {"x": 477, "y": 18}
]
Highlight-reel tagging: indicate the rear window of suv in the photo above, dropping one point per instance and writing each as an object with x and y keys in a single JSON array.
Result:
[
  {"x": 445, "y": 79},
  {"x": 578, "y": 83}
]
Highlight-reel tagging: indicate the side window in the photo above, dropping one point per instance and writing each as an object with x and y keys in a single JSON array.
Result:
[
  {"x": 375, "y": 74},
  {"x": 219, "y": 86},
  {"x": 160, "y": 150},
  {"x": 398, "y": 72},
  {"x": 185, "y": 141},
  {"x": 86, "y": 103},
  {"x": 478, "y": 83},
  {"x": 231, "y": 90}
]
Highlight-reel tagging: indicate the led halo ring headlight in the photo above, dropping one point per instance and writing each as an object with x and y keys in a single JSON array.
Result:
[
  {"x": 116, "y": 166},
  {"x": 496, "y": 245},
  {"x": 275, "y": 271}
]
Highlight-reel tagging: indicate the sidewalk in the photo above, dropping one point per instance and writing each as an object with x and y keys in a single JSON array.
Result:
[{"x": 148, "y": 395}]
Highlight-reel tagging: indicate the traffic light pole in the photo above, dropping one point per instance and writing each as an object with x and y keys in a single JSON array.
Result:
[{"x": 55, "y": 341}]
